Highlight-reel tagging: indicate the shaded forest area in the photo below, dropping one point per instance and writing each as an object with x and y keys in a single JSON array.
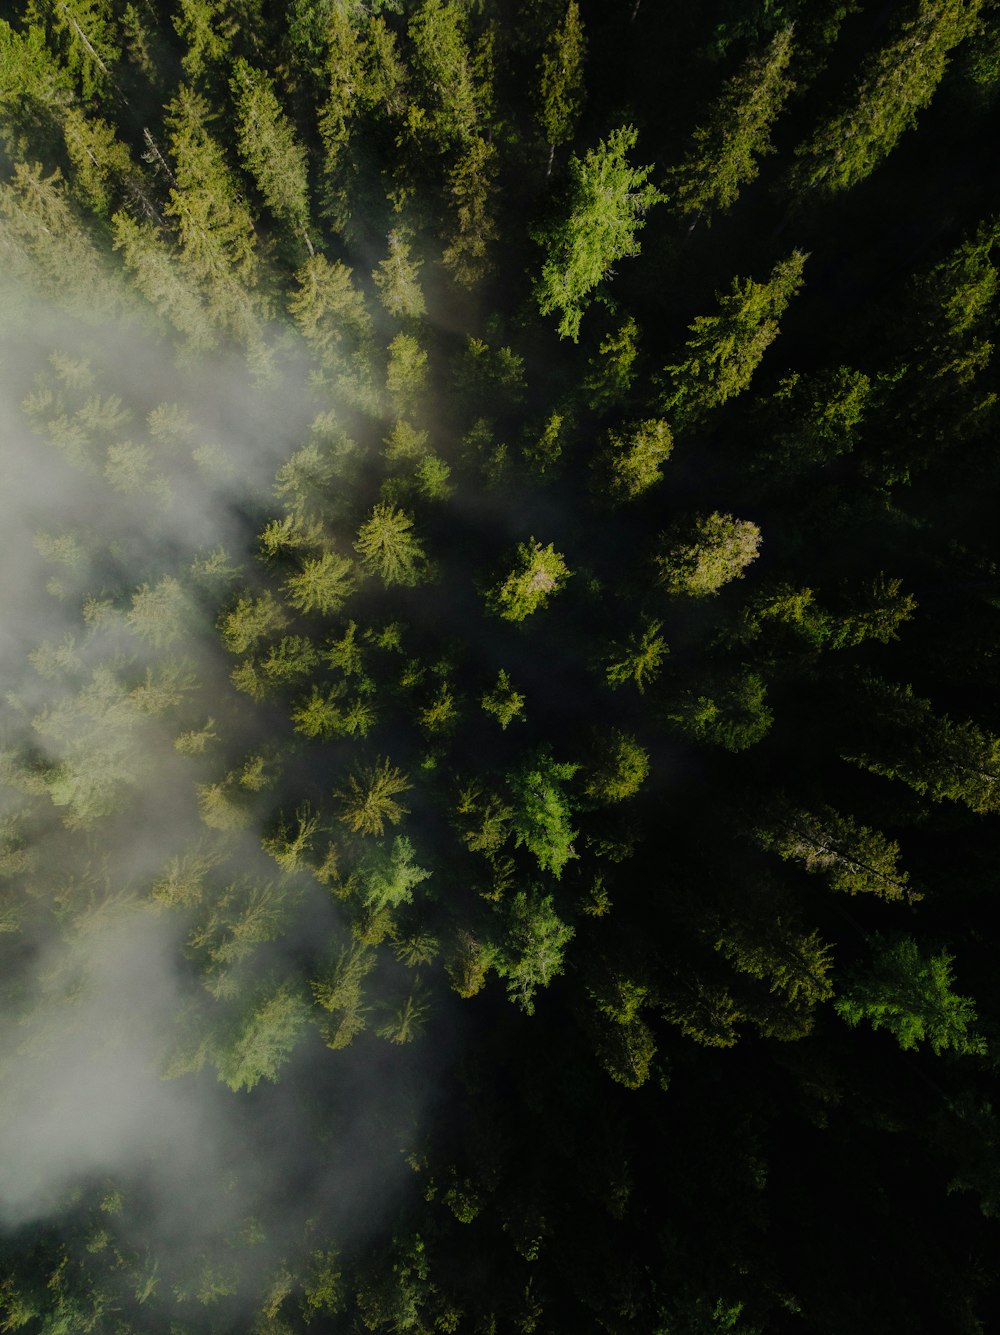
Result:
[{"x": 500, "y": 742}]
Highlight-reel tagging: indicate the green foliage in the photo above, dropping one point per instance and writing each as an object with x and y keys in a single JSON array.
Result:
[
  {"x": 342, "y": 994},
  {"x": 328, "y": 309},
  {"x": 854, "y": 859},
  {"x": 251, "y": 620},
  {"x": 397, "y": 279},
  {"x": 897, "y": 82},
  {"x": 268, "y": 147},
  {"x": 530, "y": 953},
  {"x": 909, "y": 993},
  {"x": 639, "y": 658},
  {"x": 607, "y": 200},
  {"x": 633, "y": 458},
  {"x": 445, "y": 66},
  {"x": 725, "y": 349},
  {"x": 387, "y": 876},
  {"x": 700, "y": 557},
  {"x": 726, "y": 147},
  {"x": 370, "y": 798},
  {"x": 214, "y": 227},
  {"x": 620, "y": 770},
  {"x": 817, "y": 419},
  {"x": 322, "y": 585},
  {"x": 388, "y": 547},
  {"x": 907, "y": 740},
  {"x": 539, "y": 573},
  {"x": 199, "y": 204},
  {"x": 561, "y": 87},
  {"x": 734, "y": 715},
  {"x": 613, "y": 369},
  {"x": 262, "y": 1039},
  {"x": 542, "y": 816},
  {"x": 406, "y": 373},
  {"x": 503, "y": 702}
]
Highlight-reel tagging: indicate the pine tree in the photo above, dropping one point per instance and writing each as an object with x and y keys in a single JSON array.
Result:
[
  {"x": 214, "y": 226},
  {"x": 560, "y": 81},
  {"x": 389, "y": 548},
  {"x": 370, "y": 799},
  {"x": 738, "y": 132},
  {"x": 83, "y": 33},
  {"x": 726, "y": 349},
  {"x": 906, "y": 740},
  {"x": 538, "y": 573},
  {"x": 631, "y": 463},
  {"x": 322, "y": 585},
  {"x": 531, "y": 950},
  {"x": 608, "y": 198},
  {"x": 269, "y": 149},
  {"x": 896, "y": 83},
  {"x": 698, "y": 558},
  {"x": 398, "y": 280},
  {"x": 909, "y": 993},
  {"x": 854, "y": 859}
]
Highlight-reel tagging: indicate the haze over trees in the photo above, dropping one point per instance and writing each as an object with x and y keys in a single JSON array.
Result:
[{"x": 499, "y": 743}]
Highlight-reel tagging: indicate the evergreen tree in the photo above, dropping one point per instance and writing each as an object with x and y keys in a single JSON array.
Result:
[
  {"x": 726, "y": 349},
  {"x": 726, "y": 148},
  {"x": 370, "y": 799},
  {"x": 539, "y": 572},
  {"x": 561, "y": 87},
  {"x": 907, "y": 740},
  {"x": 909, "y": 993},
  {"x": 607, "y": 200},
  {"x": 388, "y": 547},
  {"x": 896, "y": 83},
  {"x": 700, "y": 557},
  {"x": 269, "y": 150},
  {"x": 855, "y": 859}
]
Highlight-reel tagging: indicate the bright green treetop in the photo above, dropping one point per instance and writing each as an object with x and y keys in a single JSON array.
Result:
[
  {"x": 608, "y": 197},
  {"x": 539, "y": 572}
]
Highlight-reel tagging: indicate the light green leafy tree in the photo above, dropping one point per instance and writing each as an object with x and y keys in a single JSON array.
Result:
[
  {"x": 909, "y": 993},
  {"x": 538, "y": 573},
  {"x": 700, "y": 557},
  {"x": 607, "y": 200},
  {"x": 269, "y": 149},
  {"x": 388, "y": 547},
  {"x": 542, "y": 816},
  {"x": 531, "y": 950}
]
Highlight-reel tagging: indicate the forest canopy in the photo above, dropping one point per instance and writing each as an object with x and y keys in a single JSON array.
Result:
[{"x": 500, "y": 742}]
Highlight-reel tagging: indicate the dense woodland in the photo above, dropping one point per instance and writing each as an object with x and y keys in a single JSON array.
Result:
[{"x": 507, "y": 617}]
